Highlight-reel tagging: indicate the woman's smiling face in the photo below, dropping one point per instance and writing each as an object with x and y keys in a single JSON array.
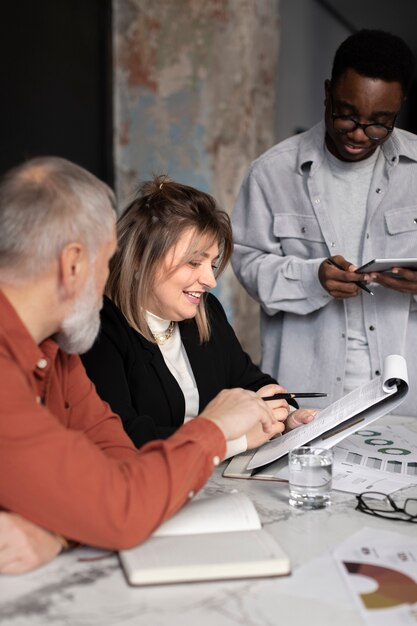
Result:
[{"x": 183, "y": 277}]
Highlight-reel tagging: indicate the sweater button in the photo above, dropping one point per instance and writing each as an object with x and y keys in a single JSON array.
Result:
[{"x": 42, "y": 363}]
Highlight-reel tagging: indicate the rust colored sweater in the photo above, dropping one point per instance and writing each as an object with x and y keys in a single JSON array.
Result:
[{"x": 66, "y": 463}]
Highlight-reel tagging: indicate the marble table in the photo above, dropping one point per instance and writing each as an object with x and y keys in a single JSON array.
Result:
[{"x": 75, "y": 591}]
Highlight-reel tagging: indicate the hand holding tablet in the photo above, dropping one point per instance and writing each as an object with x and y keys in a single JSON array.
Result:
[{"x": 385, "y": 265}]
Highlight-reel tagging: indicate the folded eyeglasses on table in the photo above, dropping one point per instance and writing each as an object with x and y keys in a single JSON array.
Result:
[{"x": 382, "y": 505}]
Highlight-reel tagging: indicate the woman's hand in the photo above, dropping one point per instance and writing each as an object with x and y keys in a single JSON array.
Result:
[
  {"x": 283, "y": 420},
  {"x": 280, "y": 408},
  {"x": 299, "y": 417},
  {"x": 256, "y": 436}
]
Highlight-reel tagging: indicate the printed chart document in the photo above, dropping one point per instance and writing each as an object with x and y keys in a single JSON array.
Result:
[
  {"x": 380, "y": 569},
  {"x": 356, "y": 410},
  {"x": 209, "y": 539},
  {"x": 380, "y": 458}
]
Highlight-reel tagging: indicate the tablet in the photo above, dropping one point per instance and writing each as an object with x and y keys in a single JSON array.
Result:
[{"x": 384, "y": 265}]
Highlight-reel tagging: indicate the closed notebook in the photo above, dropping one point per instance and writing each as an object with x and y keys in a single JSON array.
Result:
[{"x": 213, "y": 538}]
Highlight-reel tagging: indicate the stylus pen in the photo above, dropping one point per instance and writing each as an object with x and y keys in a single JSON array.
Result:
[
  {"x": 290, "y": 396},
  {"x": 359, "y": 283}
]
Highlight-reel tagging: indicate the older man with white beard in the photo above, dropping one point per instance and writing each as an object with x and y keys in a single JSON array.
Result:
[{"x": 67, "y": 469}]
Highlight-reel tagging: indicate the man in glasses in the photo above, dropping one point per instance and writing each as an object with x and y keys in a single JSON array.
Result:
[{"x": 318, "y": 205}]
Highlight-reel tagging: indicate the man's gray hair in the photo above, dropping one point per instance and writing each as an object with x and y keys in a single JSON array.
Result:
[{"x": 46, "y": 203}]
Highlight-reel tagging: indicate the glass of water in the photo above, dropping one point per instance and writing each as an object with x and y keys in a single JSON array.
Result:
[{"x": 310, "y": 482}]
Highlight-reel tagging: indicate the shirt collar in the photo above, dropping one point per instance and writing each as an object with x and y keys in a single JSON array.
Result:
[
  {"x": 19, "y": 341},
  {"x": 311, "y": 152},
  {"x": 398, "y": 146}
]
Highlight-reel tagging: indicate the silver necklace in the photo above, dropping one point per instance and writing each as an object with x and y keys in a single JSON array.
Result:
[{"x": 162, "y": 337}]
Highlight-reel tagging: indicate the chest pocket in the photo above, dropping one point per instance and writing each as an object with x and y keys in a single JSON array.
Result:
[
  {"x": 401, "y": 225},
  {"x": 299, "y": 235}
]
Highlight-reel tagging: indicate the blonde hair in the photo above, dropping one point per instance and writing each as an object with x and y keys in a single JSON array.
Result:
[{"x": 149, "y": 227}]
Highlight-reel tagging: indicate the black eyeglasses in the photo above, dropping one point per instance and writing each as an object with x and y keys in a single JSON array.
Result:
[
  {"x": 381, "y": 505},
  {"x": 346, "y": 124}
]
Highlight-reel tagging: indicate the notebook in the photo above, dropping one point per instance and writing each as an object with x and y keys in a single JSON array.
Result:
[{"x": 214, "y": 538}]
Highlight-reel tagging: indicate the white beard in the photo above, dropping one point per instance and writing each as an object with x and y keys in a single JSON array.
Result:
[{"x": 80, "y": 328}]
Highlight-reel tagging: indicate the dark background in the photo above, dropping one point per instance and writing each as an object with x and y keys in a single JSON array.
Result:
[{"x": 55, "y": 73}]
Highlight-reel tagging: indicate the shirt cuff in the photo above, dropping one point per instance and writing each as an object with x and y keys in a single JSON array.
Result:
[{"x": 236, "y": 446}]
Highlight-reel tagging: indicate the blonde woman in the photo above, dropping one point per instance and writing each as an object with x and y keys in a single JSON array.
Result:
[{"x": 166, "y": 348}]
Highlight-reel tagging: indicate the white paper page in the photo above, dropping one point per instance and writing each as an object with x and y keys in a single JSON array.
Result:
[
  {"x": 380, "y": 569},
  {"x": 353, "y": 482},
  {"x": 224, "y": 547},
  {"x": 219, "y": 513},
  {"x": 213, "y": 556},
  {"x": 378, "y": 397}
]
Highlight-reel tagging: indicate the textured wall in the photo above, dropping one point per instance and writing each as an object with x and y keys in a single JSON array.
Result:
[{"x": 195, "y": 84}]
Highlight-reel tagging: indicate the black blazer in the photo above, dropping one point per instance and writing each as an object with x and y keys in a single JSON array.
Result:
[{"x": 131, "y": 375}]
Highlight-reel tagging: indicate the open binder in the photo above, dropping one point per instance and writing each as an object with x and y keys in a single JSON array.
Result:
[{"x": 345, "y": 416}]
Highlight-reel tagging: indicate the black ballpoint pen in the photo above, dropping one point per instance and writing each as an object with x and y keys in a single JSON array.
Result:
[
  {"x": 359, "y": 283},
  {"x": 289, "y": 396}
]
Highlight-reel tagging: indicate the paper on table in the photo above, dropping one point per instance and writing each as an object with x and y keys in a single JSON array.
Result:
[
  {"x": 380, "y": 570},
  {"x": 353, "y": 482},
  {"x": 345, "y": 416}
]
